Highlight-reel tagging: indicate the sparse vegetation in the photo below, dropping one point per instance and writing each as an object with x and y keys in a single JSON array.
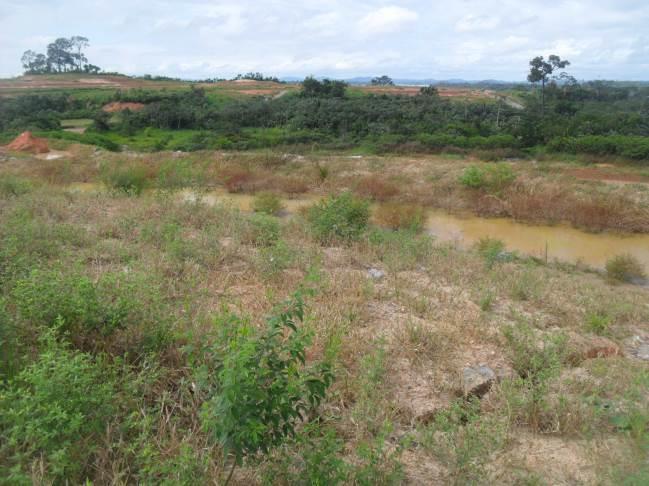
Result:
[{"x": 625, "y": 268}]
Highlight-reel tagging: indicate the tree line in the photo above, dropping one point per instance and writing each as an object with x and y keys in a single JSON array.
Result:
[{"x": 64, "y": 55}]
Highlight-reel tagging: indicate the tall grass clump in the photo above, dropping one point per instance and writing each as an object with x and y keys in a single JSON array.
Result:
[
  {"x": 126, "y": 179},
  {"x": 625, "y": 268},
  {"x": 267, "y": 203},
  {"x": 342, "y": 217}
]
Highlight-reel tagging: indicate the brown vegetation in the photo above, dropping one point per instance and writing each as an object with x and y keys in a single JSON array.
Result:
[{"x": 376, "y": 188}]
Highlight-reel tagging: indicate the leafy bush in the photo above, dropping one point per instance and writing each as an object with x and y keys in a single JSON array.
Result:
[
  {"x": 341, "y": 217},
  {"x": 52, "y": 414},
  {"x": 400, "y": 216},
  {"x": 267, "y": 203},
  {"x": 263, "y": 388},
  {"x": 625, "y": 268},
  {"x": 494, "y": 178},
  {"x": 128, "y": 179}
]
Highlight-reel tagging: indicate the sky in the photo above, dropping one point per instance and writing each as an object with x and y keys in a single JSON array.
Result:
[{"x": 468, "y": 39}]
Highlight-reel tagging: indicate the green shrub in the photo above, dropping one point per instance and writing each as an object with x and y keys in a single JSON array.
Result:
[
  {"x": 11, "y": 185},
  {"x": 598, "y": 322},
  {"x": 267, "y": 203},
  {"x": 263, "y": 388},
  {"x": 130, "y": 180},
  {"x": 531, "y": 359},
  {"x": 491, "y": 249},
  {"x": 52, "y": 416},
  {"x": 341, "y": 217},
  {"x": 493, "y": 178},
  {"x": 625, "y": 268},
  {"x": 261, "y": 230}
]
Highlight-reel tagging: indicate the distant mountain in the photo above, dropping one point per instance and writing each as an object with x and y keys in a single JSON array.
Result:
[{"x": 359, "y": 80}]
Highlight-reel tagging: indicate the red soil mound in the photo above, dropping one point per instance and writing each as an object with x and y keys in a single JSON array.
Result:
[
  {"x": 26, "y": 142},
  {"x": 116, "y": 106}
]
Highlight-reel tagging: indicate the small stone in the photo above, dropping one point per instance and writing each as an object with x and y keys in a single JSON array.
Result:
[
  {"x": 477, "y": 380},
  {"x": 642, "y": 352},
  {"x": 376, "y": 274}
]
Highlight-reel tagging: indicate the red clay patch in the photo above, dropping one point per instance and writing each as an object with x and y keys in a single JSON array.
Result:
[
  {"x": 116, "y": 106},
  {"x": 26, "y": 142},
  {"x": 592, "y": 174}
]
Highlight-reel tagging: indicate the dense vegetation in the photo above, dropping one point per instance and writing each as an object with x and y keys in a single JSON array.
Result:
[{"x": 592, "y": 118}]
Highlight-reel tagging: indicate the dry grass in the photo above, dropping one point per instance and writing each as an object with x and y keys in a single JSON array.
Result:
[
  {"x": 376, "y": 188},
  {"x": 399, "y": 216}
]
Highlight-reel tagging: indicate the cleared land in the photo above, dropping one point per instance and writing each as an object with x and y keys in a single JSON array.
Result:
[
  {"x": 409, "y": 323},
  {"x": 46, "y": 83}
]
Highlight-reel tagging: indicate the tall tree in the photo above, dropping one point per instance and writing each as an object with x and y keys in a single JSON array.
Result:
[
  {"x": 79, "y": 43},
  {"x": 59, "y": 54},
  {"x": 542, "y": 70},
  {"x": 33, "y": 62}
]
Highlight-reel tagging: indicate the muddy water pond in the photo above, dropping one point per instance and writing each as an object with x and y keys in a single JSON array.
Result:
[{"x": 561, "y": 242}]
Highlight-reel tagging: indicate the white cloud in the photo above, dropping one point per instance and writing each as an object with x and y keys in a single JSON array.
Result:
[
  {"x": 471, "y": 39},
  {"x": 387, "y": 20}
]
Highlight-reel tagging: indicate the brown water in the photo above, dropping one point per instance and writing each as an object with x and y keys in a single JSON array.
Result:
[{"x": 561, "y": 242}]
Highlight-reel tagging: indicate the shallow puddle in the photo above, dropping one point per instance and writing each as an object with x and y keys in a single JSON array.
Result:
[{"x": 561, "y": 242}]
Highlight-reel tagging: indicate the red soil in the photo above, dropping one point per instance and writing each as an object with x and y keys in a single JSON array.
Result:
[
  {"x": 116, "y": 106},
  {"x": 26, "y": 142}
]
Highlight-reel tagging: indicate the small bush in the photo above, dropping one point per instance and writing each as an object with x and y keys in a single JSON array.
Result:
[
  {"x": 261, "y": 230},
  {"x": 377, "y": 189},
  {"x": 293, "y": 185},
  {"x": 493, "y": 178},
  {"x": 400, "y": 216},
  {"x": 341, "y": 217},
  {"x": 130, "y": 180},
  {"x": 267, "y": 203},
  {"x": 625, "y": 268},
  {"x": 491, "y": 249},
  {"x": 598, "y": 322},
  {"x": 263, "y": 388},
  {"x": 11, "y": 185},
  {"x": 237, "y": 180}
]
